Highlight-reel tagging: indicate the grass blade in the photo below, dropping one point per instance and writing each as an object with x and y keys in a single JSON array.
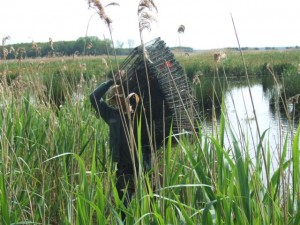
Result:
[
  {"x": 295, "y": 153},
  {"x": 4, "y": 201},
  {"x": 243, "y": 181}
]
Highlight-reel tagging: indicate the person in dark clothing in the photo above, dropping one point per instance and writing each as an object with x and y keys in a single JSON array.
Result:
[{"x": 119, "y": 115}]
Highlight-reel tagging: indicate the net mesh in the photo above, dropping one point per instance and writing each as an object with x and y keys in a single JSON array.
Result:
[{"x": 163, "y": 86}]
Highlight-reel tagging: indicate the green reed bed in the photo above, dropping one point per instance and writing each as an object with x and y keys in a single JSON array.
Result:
[
  {"x": 257, "y": 62},
  {"x": 56, "y": 169},
  {"x": 273, "y": 67}
]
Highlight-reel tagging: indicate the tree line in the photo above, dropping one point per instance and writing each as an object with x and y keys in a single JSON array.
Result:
[{"x": 82, "y": 46}]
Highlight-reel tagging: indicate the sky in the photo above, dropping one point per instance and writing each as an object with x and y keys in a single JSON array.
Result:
[{"x": 208, "y": 23}]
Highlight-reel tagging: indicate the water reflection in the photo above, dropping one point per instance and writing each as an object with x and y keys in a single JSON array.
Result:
[{"x": 247, "y": 121}]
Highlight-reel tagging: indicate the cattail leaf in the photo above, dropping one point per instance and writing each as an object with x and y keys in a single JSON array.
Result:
[
  {"x": 3, "y": 200},
  {"x": 243, "y": 181},
  {"x": 295, "y": 154}
]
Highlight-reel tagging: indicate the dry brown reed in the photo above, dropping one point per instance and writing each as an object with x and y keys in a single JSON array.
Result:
[
  {"x": 4, "y": 39},
  {"x": 20, "y": 53},
  {"x": 146, "y": 17},
  {"x": 96, "y": 4},
  {"x": 219, "y": 56},
  {"x": 36, "y": 48},
  {"x": 51, "y": 44},
  {"x": 104, "y": 62},
  {"x": 181, "y": 29},
  {"x": 145, "y": 14},
  {"x": 89, "y": 45},
  {"x": 12, "y": 50},
  {"x": 5, "y": 53},
  {"x": 4, "y": 50}
]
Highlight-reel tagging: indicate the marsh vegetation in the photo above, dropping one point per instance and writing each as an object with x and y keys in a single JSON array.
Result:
[{"x": 55, "y": 167}]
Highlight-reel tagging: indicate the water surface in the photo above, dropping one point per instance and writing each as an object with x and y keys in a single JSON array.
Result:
[{"x": 249, "y": 122}]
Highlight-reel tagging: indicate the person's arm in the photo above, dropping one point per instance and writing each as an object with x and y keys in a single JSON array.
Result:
[{"x": 96, "y": 98}]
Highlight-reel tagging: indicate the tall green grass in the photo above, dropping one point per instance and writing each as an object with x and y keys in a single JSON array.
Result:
[
  {"x": 56, "y": 169},
  {"x": 257, "y": 62}
]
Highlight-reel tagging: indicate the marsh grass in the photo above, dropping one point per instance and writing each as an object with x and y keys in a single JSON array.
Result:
[
  {"x": 55, "y": 169},
  {"x": 256, "y": 62}
]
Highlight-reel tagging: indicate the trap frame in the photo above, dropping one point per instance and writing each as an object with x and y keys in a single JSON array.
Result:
[{"x": 153, "y": 73}]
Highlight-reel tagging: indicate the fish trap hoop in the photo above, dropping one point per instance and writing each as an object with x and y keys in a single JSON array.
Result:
[{"x": 166, "y": 94}]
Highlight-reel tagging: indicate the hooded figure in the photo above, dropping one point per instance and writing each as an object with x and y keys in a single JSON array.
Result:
[{"x": 119, "y": 112}]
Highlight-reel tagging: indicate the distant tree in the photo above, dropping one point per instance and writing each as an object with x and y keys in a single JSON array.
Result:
[
  {"x": 99, "y": 46},
  {"x": 93, "y": 44}
]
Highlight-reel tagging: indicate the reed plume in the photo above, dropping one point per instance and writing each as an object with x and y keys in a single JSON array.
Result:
[
  {"x": 104, "y": 63},
  {"x": 4, "y": 39},
  {"x": 89, "y": 45},
  {"x": 146, "y": 4},
  {"x": 51, "y": 44},
  {"x": 146, "y": 17},
  {"x": 96, "y": 4},
  {"x": 145, "y": 14},
  {"x": 20, "y": 53},
  {"x": 36, "y": 48},
  {"x": 5, "y": 53},
  {"x": 181, "y": 29},
  {"x": 34, "y": 45},
  {"x": 219, "y": 56},
  {"x": 4, "y": 50},
  {"x": 12, "y": 50}
]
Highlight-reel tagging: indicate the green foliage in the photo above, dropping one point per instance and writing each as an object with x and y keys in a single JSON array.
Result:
[
  {"x": 67, "y": 48},
  {"x": 281, "y": 63},
  {"x": 209, "y": 92},
  {"x": 291, "y": 84},
  {"x": 4, "y": 212},
  {"x": 55, "y": 167}
]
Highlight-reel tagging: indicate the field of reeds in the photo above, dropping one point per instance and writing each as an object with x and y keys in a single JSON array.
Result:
[
  {"x": 55, "y": 166},
  {"x": 272, "y": 67},
  {"x": 256, "y": 62},
  {"x": 56, "y": 169}
]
